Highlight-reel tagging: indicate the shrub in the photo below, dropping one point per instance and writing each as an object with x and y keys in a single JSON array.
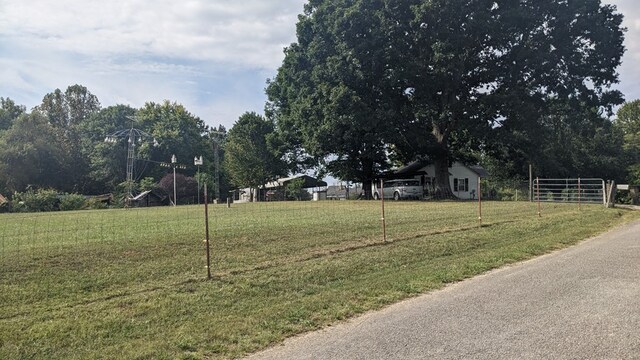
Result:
[
  {"x": 72, "y": 202},
  {"x": 96, "y": 204},
  {"x": 36, "y": 201}
]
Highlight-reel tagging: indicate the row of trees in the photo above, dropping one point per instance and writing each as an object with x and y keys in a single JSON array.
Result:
[{"x": 61, "y": 144}]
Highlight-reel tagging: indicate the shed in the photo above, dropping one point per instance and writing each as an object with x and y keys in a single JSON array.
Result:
[{"x": 155, "y": 197}]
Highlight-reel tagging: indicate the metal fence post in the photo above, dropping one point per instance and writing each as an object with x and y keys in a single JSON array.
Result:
[
  {"x": 538, "y": 191},
  {"x": 206, "y": 226},
  {"x": 480, "y": 200},
  {"x": 579, "y": 195},
  {"x": 384, "y": 225}
]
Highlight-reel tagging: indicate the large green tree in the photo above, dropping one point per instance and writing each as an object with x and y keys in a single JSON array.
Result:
[
  {"x": 106, "y": 161},
  {"x": 457, "y": 72},
  {"x": 31, "y": 154},
  {"x": 177, "y": 132},
  {"x": 66, "y": 112},
  {"x": 628, "y": 122},
  {"x": 250, "y": 159},
  {"x": 338, "y": 92},
  {"x": 69, "y": 108},
  {"x": 9, "y": 112}
]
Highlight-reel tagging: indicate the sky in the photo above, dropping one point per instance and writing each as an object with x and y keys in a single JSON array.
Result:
[{"x": 212, "y": 56}]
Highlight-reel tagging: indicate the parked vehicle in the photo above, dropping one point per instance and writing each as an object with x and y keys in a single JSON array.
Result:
[{"x": 400, "y": 189}]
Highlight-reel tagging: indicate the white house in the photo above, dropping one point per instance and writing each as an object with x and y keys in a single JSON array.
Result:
[{"x": 463, "y": 179}]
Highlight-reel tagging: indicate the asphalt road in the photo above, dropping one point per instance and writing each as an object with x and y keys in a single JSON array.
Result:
[{"x": 578, "y": 303}]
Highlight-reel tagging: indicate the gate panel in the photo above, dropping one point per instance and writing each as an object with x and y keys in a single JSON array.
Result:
[{"x": 578, "y": 190}]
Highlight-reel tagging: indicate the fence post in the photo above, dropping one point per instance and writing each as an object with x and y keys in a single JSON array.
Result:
[
  {"x": 480, "y": 200},
  {"x": 579, "y": 195},
  {"x": 384, "y": 225},
  {"x": 206, "y": 226},
  {"x": 530, "y": 182},
  {"x": 538, "y": 191},
  {"x": 611, "y": 194}
]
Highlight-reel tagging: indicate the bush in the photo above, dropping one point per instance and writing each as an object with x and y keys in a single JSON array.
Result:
[
  {"x": 96, "y": 204},
  {"x": 73, "y": 202},
  {"x": 36, "y": 201}
]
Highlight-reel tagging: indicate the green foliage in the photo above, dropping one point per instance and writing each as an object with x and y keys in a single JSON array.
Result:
[
  {"x": 31, "y": 154},
  {"x": 337, "y": 94},
  {"x": 250, "y": 159},
  {"x": 65, "y": 110},
  {"x": 295, "y": 191},
  {"x": 440, "y": 78},
  {"x": 96, "y": 204},
  {"x": 177, "y": 131},
  {"x": 628, "y": 121},
  {"x": 634, "y": 174},
  {"x": 36, "y": 201},
  {"x": 9, "y": 112},
  {"x": 147, "y": 184},
  {"x": 70, "y": 202},
  {"x": 106, "y": 161}
]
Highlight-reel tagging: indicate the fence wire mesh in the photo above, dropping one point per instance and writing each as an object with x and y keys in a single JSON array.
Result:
[{"x": 251, "y": 235}]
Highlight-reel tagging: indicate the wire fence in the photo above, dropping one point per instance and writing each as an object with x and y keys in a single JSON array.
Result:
[{"x": 304, "y": 228}]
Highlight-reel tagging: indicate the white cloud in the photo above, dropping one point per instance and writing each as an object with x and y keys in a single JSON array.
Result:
[
  {"x": 247, "y": 33},
  {"x": 211, "y": 56}
]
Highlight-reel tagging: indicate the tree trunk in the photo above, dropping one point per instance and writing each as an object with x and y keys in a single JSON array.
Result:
[
  {"x": 366, "y": 187},
  {"x": 442, "y": 186},
  {"x": 367, "y": 178}
]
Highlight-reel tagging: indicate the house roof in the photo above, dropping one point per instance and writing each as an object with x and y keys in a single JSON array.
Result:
[
  {"x": 309, "y": 182},
  {"x": 417, "y": 168},
  {"x": 156, "y": 192},
  {"x": 479, "y": 170},
  {"x": 414, "y": 168},
  {"x": 141, "y": 195}
]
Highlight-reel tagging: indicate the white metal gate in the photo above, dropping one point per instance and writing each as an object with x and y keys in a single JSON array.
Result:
[{"x": 578, "y": 190}]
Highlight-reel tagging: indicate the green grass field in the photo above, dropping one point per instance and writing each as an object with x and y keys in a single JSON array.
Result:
[{"x": 132, "y": 283}]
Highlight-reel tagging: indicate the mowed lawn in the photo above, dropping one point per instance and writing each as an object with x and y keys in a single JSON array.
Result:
[{"x": 131, "y": 284}]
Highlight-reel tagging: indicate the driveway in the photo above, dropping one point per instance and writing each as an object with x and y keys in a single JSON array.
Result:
[{"x": 578, "y": 303}]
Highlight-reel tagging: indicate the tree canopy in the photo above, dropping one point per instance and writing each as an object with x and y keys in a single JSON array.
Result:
[
  {"x": 250, "y": 159},
  {"x": 60, "y": 144},
  {"x": 432, "y": 78},
  {"x": 31, "y": 155},
  {"x": 628, "y": 122}
]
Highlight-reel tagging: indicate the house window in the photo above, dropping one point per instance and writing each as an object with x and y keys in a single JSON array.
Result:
[{"x": 461, "y": 185}]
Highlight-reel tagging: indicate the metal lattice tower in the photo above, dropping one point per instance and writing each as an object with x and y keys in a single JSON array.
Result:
[
  {"x": 131, "y": 155},
  {"x": 133, "y": 136}
]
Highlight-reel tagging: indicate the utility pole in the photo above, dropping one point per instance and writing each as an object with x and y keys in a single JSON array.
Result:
[
  {"x": 174, "y": 164},
  {"x": 198, "y": 161},
  {"x": 174, "y": 160},
  {"x": 217, "y": 137}
]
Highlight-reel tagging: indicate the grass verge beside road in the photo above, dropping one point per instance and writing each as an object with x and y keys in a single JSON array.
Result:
[{"x": 132, "y": 284}]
